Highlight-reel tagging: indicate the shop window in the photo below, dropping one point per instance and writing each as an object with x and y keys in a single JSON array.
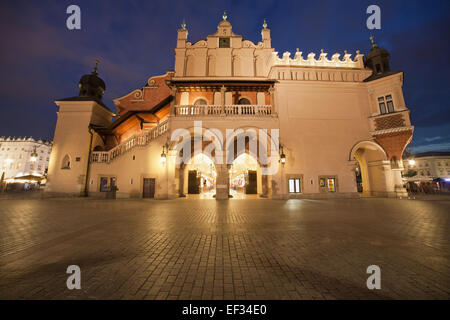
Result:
[
  {"x": 328, "y": 184},
  {"x": 103, "y": 184},
  {"x": 106, "y": 183},
  {"x": 331, "y": 183},
  {"x": 294, "y": 186}
]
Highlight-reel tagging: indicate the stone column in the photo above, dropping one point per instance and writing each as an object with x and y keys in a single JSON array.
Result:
[
  {"x": 222, "y": 182},
  {"x": 264, "y": 185},
  {"x": 181, "y": 170},
  {"x": 172, "y": 103},
  {"x": 272, "y": 100},
  {"x": 400, "y": 191},
  {"x": 222, "y": 94}
]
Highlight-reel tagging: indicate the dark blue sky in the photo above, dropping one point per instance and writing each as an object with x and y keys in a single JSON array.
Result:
[{"x": 40, "y": 59}]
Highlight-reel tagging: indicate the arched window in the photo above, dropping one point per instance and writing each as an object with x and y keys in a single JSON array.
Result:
[
  {"x": 200, "y": 102},
  {"x": 244, "y": 101},
  {"x": 65, "y": 162}
]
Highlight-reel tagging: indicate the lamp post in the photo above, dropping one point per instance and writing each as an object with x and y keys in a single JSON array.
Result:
[
  {"x": 163, "y": 154},
  {"x": 282, "y": 156}
]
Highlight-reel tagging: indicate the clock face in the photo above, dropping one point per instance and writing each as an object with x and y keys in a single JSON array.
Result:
[{"x": 224, "y": 42}]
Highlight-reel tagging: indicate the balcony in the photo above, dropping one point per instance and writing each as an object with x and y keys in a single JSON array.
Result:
[
  {"x": 227, "y": 110},
  {"x": 390, "y": 122}
]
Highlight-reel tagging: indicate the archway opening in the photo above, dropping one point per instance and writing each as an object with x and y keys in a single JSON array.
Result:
[
  {"x": 200, "y": 177},
  {"x": 245, "y": 177},
  {"x": 372, "y": 171}
]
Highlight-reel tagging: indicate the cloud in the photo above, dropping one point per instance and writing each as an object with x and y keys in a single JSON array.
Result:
[
  {"x": 433, "y": 139},
  {"x": 431, "y": 147}
]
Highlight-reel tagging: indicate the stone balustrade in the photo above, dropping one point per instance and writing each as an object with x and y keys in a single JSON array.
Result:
[
  {"x": 134, "y": 141},
  {"x": 226, "y": 110}
]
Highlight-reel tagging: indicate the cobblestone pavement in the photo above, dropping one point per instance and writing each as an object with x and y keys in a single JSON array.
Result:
[{"x": 237, "y": 249}]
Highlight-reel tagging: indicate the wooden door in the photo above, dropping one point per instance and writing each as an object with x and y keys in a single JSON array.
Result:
[
  {"x": 149, "y": 188},
  {"x": 193, "y": 182},
  {"x": 252, "y": 185}
]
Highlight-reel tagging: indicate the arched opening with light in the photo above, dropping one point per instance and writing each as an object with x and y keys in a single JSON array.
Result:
[
  {"x": 200, "y": 177},
  {"x": 245, "y": 177}
]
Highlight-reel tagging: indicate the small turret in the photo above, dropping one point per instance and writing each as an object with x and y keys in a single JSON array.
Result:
[
  {"x": 91, "y": 85},
  {"x": 378, "y": 59}
]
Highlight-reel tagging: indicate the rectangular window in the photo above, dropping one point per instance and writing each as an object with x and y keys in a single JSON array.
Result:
[
  {"x": 294, "y": 186},
  {"x": 390, "y": 103},
  {"x": 331, "y": 184},
  {"x": 382, "y": 105},
  {"x": 386, "y": 104},
  {"x": 224, "y": 42}
]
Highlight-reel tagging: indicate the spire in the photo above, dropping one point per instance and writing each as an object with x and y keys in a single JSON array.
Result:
[
  {"x": 372, "y": 40},
  {"x": 265, "y": 24},
  {"x": 96, "y": 67},
  {"x": 224, "y": 16},
  {"x": 183, "y": 25}
]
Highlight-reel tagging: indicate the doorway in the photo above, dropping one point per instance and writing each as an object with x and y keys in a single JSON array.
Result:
[{"x": 149, "y": 188}]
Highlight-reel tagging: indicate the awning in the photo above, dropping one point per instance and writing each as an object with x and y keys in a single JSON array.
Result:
[{"x": 30, "y": 177}]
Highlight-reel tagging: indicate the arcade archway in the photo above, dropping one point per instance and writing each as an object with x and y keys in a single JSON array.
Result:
[
  {"x": 245, "y": 177},
  {"x": 199, "y": 176},
  {"x": 373, "y": 172}
]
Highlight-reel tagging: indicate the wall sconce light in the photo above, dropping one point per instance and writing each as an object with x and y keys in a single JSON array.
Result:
[
  {"x": 282, "y": 156},
  {"x": 34, "y": 155},
  {"x": 163, "y": 154}
]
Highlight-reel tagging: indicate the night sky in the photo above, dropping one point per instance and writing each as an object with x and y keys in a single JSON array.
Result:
[{"x": 41, "y": 60}]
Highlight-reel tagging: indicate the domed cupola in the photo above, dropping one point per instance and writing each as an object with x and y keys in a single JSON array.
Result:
[
  {"x": 91, "y": 85},
  {"x": 378, "y": 59}
]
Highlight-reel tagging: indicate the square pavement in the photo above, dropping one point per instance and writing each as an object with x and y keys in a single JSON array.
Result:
[{"x": 236, "y": 249}]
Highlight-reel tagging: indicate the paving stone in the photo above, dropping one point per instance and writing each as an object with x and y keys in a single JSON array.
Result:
[{"x": 237, "y": 249}]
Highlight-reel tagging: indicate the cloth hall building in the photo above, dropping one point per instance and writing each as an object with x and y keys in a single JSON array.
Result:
[{"x": 336, "y": 120}]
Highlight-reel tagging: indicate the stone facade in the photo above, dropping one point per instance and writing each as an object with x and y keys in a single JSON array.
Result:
[
  {"x": 331, "y": 116},
  {"x": 16, "y": 156}
]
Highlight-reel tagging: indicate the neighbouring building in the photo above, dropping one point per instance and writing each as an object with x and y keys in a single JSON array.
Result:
[
  {"x": 24, "y": 156},
  {"x": 428, "y": 165},
  {"x": 333, "y": 116}
]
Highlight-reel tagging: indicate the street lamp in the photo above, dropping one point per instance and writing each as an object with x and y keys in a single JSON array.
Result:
[
  {"x": 282, "y": 156},
  {"x": 412, "y": 162},
  {"x": 163, "y": 154}
]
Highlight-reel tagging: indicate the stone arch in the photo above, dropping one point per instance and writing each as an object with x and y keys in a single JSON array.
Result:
[
  {"x": 244, "y": 101},
  {"x": 375, "y": 168},
  {"x": 200, "y": 101}
]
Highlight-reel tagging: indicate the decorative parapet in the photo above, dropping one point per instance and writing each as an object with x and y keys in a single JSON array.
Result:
[
  {"x": 323, "y": 61},
  {"x": 25, "y": 139}
]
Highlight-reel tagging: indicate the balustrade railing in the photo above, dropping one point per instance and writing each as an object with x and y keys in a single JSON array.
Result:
[
  {"x": 227, "y": 110},
  {"x": 134, "y": 141}
]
